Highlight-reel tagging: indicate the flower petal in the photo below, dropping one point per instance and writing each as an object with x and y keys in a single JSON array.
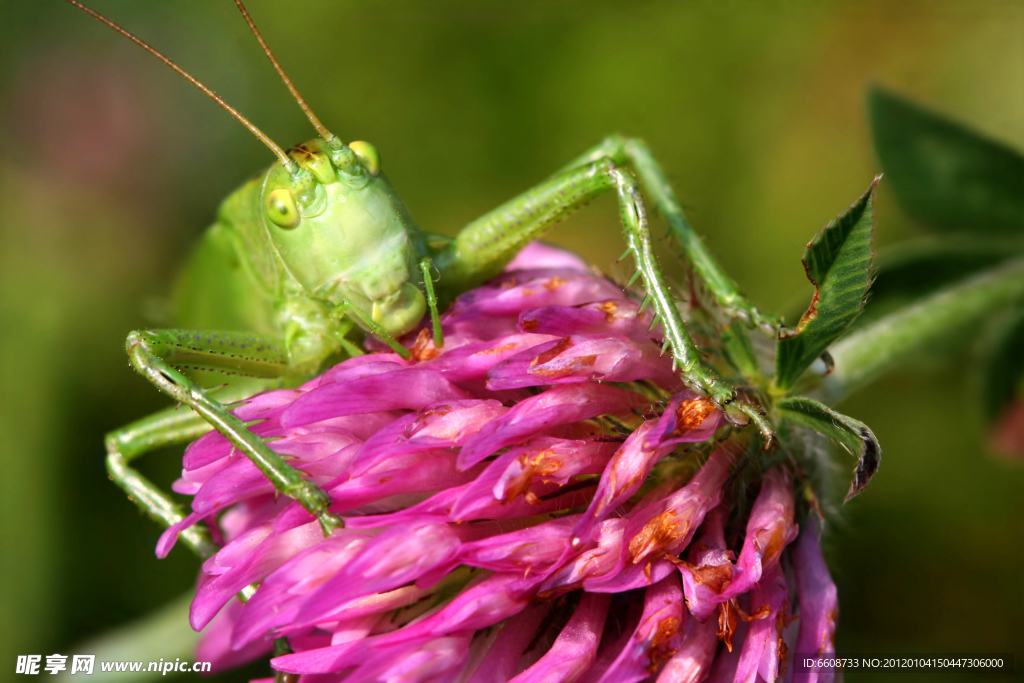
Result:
[
  {"x": 214, "y": 644},
  {"x": 616, "y": 316},
  {"x": 694, "y": 656},
  {"x": 280, "y": 596},
  {"x": 472, "y": 361},
  {"x": 663, "y": 528},
  {"x": 434, "y": 661},
  {"x": 422, "y": 472},
  {"x": 710, "y": 568},
  {"x": 575, "y": 649},
  {"x": 596, "y": 560},
  {"x": 763, "y": 656},
  {"x": 439, "y": 425},
  {"x": 538, "y": 254},
  {"x": 529, "y": 550},
  {"x": 479, "y": 606},
  {"x": 686, "y": 419},
  {"x": 769, "y": 530},
  {"x": 520, "y": 470},
  {"x": 439, "y": 507},
  {"x": 501, "y": 663},
  {"x": 582, "y": 358},
  {"x": 656, "y": 638},
  {"x": 557, "y": 406},
  {"x": 398, "y": 556},
  {"x": 400, "y": 389},
  {"x": 274, "y": 551},
  {"x": 493, "y": 310},
  {"x": 819, "y": 603},
  {"x": 666, "y": 526}
]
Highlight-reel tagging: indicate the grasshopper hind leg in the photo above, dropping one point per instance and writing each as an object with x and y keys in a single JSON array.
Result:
[
  {"x": 481, "y": 249},
  {"x": 484, "y": 246},
  {"x": 634, "y": 154}
]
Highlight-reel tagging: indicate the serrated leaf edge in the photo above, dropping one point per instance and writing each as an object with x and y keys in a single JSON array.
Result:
[{"x": 811, "y": 313}]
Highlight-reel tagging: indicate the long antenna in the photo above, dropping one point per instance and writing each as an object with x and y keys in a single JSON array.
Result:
[
  {"x": 320, "y": 128},
  {"x": 288, "y": 163}
]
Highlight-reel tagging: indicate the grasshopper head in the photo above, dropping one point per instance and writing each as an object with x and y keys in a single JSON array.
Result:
[
  {"x": 342, "y": 232},
  {"x": 332, "y": 216}
]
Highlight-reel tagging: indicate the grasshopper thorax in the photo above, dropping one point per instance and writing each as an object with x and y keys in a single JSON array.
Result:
[{"x": 342, "y": 233}]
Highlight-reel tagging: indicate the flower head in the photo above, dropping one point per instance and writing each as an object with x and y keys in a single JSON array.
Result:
[{"x": 539, "y": 500}]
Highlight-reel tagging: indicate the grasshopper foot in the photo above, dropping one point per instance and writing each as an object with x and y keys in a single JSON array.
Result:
[
  {"x": 316, "y": 500},
  {"x": 739, "y": 412}
]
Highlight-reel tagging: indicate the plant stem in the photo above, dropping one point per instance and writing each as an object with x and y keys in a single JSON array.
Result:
[{"x": 882, "y": 345}]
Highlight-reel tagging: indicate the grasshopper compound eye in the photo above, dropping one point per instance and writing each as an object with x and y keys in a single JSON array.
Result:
[
  {"x": 368, "y": 155},
  {"x": 281, "y": 208}
]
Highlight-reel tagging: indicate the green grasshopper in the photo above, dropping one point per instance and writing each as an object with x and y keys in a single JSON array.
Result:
[{"x": 317, "y": 251}]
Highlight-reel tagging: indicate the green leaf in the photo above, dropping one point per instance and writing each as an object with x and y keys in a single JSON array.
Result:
[
  {"x": 838, "y": 264},
  {"x": 851, "y": 434},
  {"x": 1003, "y": 366},
  {"x": 945, "y": 175}
]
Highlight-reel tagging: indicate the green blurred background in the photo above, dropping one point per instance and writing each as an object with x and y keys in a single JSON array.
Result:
[{"x": 110, "y": 166}]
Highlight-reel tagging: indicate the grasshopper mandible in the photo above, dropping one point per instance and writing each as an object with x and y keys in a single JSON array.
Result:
[{"x": 317, "y": 251}]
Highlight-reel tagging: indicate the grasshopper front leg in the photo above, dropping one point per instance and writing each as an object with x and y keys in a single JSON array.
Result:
[
  {"x": 483, "y": 247},
  {"x": 156, "y": 354}
]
